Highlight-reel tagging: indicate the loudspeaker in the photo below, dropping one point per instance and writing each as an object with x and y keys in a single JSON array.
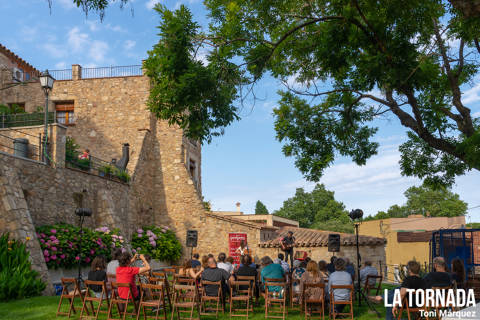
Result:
[
  {"x": 333, "y": 242},
  {"x": 192, "y": 237},
  {"x": 83, "y": 212}
]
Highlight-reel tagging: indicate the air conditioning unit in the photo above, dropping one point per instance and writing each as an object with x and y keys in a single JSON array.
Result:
[{"x": 17, "y": 74}]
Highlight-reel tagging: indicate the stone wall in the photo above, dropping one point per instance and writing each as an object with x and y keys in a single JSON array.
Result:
[{"x": 52, "y": 194}]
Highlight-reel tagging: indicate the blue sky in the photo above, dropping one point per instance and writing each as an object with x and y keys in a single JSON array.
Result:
[{"x": 244, "y": 165}]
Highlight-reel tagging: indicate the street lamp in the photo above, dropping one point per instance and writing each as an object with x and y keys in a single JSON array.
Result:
[{"x": 46, "y": 82}]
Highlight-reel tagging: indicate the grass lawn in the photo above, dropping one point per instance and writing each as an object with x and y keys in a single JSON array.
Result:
[{"x": 44, "y": 308}]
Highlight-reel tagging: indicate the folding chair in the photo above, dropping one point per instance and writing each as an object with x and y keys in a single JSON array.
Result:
[
  {"x": 157, "y": 291},
  {"x": 295, "y": 296},
  {"x": 253, "y": 288},
  {"x": 185, "y": 300},
  {"x": 169, "y": 276},
  {"x": 446, "y": 306},
  {"x": 178, "y": 279},
  {"x": 309, "y": 301},
  {"x": 164, "y": 282},
  {"x": 377, "y": 286},
  {"x": 333, "y": 302},
  {"x": 111, "y": 277},
  {"x": 206, "y": 299},
  {"x": 89, "y": 299},
  {"x": 241, "y": 295},
  {"x": 275, "y": 301},
  {"x": 410, "y": 311},
  {"x": 70, "y": 295},
  {"x": 115, "y": 299}
]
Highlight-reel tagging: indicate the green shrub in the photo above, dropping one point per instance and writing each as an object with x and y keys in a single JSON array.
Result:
[
  {"x": 71, "y": 150},
  {"x": 17, "y": 279},
  {"x": 122, "y": 175},
  {"x": 160, "y": 243},
  {"x": 107, "y": 170},
  {"x": 59, "y": 243}
]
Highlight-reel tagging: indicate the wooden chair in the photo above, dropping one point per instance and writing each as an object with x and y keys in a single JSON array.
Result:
[
  {"x": 157, "y": 291},
  {"x": 309, "y": 302},
  {"x": 333, "y": 302},
  {"x": 121, "y": 304},
  {"x": 178, "y": 279},
  {"x": 295, "y": 296},
  {"x": 377, "y": 286},
  {"x": 169, "y": 275},
  {"x": 446, "y": 306},
  {"x": 241, "y": 295},
  {"x": 164, "y": 282},
  {"x": 275, "y": 300},
  {"x": 185, "y": 301},
  {"x": 70, "y": 294},
  {"x": 410, "y": 310},
  {"x": 218, "y": 300},
  {"x": 90, "y": 298},
  {"x": 253, "y": 287},
  {"x": 111, "y": 277}
]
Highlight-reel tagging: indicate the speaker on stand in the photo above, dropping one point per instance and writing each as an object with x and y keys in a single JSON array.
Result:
[
  {"x": 333, "y": 242},
  {"x": 192, "y": 239}
]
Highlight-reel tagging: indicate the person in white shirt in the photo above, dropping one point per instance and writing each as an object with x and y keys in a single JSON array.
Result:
[
  {"x": 113, "y": 264},
  {"x": 222, "y": 263}
]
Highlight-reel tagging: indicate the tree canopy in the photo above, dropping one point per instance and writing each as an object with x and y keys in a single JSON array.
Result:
[
  {"x": 427, "y": 201},
  {"x": 344, "y": 64},
  {"x": 260, "y": 208},
  {"x": 317, "y": 210}
]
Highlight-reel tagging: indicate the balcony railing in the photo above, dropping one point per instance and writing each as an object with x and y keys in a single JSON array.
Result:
[
  {"x": 25, "y": 119},
  {"x": 102, "y": 72}
]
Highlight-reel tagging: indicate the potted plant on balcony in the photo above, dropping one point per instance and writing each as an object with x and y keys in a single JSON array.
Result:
[{"x": 105, "y": 171}]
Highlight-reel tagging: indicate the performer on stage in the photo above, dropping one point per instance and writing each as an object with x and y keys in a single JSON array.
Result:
[
  {"x": 287, "y": 244},
  {"x": 243, "y": 249}
]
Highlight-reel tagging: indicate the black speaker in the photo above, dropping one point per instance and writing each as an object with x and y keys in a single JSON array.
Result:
[
  {"x": 83, "y": 212},
  {"x": 333, "y": 242},
  {"x": 192, "y": 237}
]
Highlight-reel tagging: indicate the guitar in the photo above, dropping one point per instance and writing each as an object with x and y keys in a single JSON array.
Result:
[{"x": 285, "y": 246}]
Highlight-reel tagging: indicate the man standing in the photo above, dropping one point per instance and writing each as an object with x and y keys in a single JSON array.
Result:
[{"x": 287, "y": 244}]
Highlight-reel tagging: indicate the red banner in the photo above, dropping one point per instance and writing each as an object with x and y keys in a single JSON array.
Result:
[{"x": 234, "y": 240}]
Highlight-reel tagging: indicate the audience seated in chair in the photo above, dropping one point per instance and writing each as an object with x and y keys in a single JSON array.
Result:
[
  {"x": 368, "y": 270},
  {"x": 126, "y": 274},
  {"x": 97, "y": 273},
  {"x": 214, "y": 274},
  {"x": 340, "y": 277},
  {"x": 271, "y": 270},
  {"x": 312, "y": 275}
]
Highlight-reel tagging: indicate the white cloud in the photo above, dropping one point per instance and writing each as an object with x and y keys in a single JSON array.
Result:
[
  {"x": 28, "y": 33},
  {"x": 129, "y": 44},
  {"x": 476, "y": 114},
  {"x": 77, "y": 40},
  {"x": 151, "y": 3},
  {"x": 116, "y": 28},
  {"x": 55, "y": 50},
  {"x": 472, "y": 95},
  {"x": 61, "y": 65},
  {"x": 98, "y": 50},
  {"x": 66, "y": 4},
  {"x": 92, "y": 25}
]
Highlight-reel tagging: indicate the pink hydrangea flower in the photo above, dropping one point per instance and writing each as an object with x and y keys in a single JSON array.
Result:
[
  {"x": 53, "y": 231},
  {"x": 77, "y": 258},
  {"x": 47, "y": 259},
  {"x": 42, "y": 241},
  {"x": 53, "y": 238},
  {"x": 45, "y": 253},
  {"x": 140, "y": 230},
  {"x": 87, "y": 259},
  {"x": 62, "y": 256},
  {"x": 139, "y": 235},
  {"x": 92, "y": 251},
  {"x": 54, "y": 248},
  {"x": 54, "y": 257}
]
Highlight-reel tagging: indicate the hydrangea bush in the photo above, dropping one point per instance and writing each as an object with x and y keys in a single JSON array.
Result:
[
  {"x": 159, "y": 242},
  {"x": 60, "y": 244}
]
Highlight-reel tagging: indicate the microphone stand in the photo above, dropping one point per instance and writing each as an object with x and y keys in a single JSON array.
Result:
[{"x": 80, "y": 279}]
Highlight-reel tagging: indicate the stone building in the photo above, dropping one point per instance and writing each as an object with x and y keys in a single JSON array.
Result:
[{"x": 103, "y": 109}]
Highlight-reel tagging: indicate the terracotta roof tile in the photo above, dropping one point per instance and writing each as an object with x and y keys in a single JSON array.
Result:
[{"x": 319, "y": 238}]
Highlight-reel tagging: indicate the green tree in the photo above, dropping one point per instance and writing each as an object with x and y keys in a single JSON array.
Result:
[
  {"x": 427, "y": 201},
  {"x": 260, "y": 208},
  {"x": 355, "y": 61},
  {"x": 317, "y": 209}
]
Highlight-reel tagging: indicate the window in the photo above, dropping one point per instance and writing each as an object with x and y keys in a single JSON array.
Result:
[
  {"x": 193, "y": 170},
  {"x": 65, "y": 112}
]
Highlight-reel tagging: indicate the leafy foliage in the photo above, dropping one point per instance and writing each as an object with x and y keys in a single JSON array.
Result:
[
  {"x": 344, "y": 64},
  {"x": 184, "y": 91},
  {"x": 97, "y": 6},
  {"x": 427, "y": 201},
  {"x": 160, "y": 243},
  {"x": 260, "y": 208},
  {"x": 13, "y": 109},
  {"x": 60, "y": 244},
  {"x": 317, "y": 210},
  {"x": 17, "y": 279}
]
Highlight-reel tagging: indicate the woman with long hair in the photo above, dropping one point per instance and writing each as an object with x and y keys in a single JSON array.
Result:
[
  {"x": 188, "y": 271},
  {"x": 98, "y": 273},
  {"x": 458, "y": 272},
  {"x": 312, "y": 275}
]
